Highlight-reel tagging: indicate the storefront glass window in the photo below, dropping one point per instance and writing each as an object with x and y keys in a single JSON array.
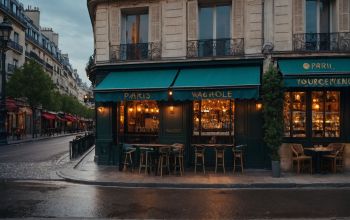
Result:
[
  {"x": 295, "y": 114},
  {"x": 213, "y": 117},
  {"x": 142, "y": 117},
  {"x": 325, "y": 114}
]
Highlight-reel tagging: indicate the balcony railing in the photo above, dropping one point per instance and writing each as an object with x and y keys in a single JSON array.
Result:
[
  {"x": 215, "y": 48},
  {"x": 16, "y": 46},
  {"x": 36, "y": 58},
  {"x": 326, "y": 42},
  {"x": 132, "y": 52}
]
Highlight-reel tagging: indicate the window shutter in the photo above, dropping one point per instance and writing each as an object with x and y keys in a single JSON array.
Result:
[
  {"x": 114, "y": 21},
  {"x": 155, "y": 27},
  {"x": 298, "y": 16},
  {"x": 344, "y": 15},
  {"x": 238, "y": 18},
  {"x": 192, "y": 14}
]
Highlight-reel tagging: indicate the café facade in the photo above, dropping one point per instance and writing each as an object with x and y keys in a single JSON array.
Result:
[
  {"x": 317, "y": 102},
  {"x": 189, "y": 104}
]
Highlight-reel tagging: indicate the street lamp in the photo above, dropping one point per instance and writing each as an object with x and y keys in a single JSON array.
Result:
[{"x": 5, "y": 33}]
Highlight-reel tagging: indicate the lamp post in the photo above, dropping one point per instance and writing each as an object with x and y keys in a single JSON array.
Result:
[{"x": 5, "y": 33}]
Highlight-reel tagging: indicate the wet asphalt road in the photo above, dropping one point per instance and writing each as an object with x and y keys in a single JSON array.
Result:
[
  {"x": 34, "y": 160},
  {"x": 59, "y": 199}
]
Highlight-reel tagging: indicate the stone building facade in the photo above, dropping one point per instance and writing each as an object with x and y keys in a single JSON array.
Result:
[{"x": 308, "y": 40}]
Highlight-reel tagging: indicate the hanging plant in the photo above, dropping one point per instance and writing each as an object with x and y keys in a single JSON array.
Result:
[{"x": 273, "y": 97}]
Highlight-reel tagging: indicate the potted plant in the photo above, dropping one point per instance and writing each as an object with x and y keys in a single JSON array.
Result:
[{"x": 273, "y": 97}]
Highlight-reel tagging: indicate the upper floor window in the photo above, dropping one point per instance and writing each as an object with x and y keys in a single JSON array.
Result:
[
  {"x": 135, "y": 36},
  {"x": 214, "y": 30},
  {"x": 16, "y": 37},
  {"x": 136, "y": 28},
  {"x": 318, "y": 16},
  {"x": 214, "y": 22}
]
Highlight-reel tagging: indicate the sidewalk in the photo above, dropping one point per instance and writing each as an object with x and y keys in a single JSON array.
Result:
[
  {"x": 87, "y": 172},
  {"x": 29, "y": 138}
]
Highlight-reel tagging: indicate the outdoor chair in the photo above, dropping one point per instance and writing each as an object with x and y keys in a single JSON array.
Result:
[
  {"x": 178, "y": 153},
  {"x": 128, "y": 151},
  {"x": 299, "y": 157},
  {"x": 220, "y": 158},
  {"x": 238, "y": 154},
  {"x": 164, "y": 159},
  {"x": 336, "y": 157},
  {"x": 199, "y": 154},
  {"x": 146, "y": 155}
]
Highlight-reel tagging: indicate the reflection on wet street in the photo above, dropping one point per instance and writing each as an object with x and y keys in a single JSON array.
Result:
[{"x": 59, "y": 199}]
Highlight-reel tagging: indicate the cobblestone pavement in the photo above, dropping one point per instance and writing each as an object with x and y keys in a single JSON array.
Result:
[{"x": 38, "y": 160}]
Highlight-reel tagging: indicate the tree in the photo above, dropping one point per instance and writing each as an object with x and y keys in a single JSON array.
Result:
[
  {"x": 273, "y": 97},
  {"x": 33, "y": 84}
]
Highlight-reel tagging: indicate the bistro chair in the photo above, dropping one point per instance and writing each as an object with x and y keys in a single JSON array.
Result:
[
  {"x": 220, "y": 158},
  {"x": 178, "y": 153},
  {"x": 336, "y": 157},
  {"x": 163, "y": 159},
  {"x": 299, "y": 157},
  {"x": 128, "y": 151},
  {"x": 238, "y": 154},
  {"x": 199, "y": 154},
  {"x": 146, "y": 159}
]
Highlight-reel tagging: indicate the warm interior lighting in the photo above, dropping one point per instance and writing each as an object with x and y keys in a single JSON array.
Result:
[
  {"x": 171, "y": 108},
  {"x": 170, "y": 92},
  {"x": 138, "y": 109},
  {"x": 258, "y": 106},
  {"x": 101, "y": 109},
  {"x": 131, "y": 109}
]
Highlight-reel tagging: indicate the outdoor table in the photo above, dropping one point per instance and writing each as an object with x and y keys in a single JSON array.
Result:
[
  {"x": 150, "y": 146},
  {"x": 317, "y": 151}
]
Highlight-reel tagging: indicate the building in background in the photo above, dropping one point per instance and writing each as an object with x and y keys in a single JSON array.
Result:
[
  {"x": 30, "y": 41},
  {"x": 189, "y": 70}
]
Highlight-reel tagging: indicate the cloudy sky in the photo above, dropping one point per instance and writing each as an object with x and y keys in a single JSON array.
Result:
[{"x": 70, "y": 19}]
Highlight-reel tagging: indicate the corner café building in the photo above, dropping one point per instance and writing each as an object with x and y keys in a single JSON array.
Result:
[
  {"x": 182, "y": 103},
  {"x": 317, "y": 102}
]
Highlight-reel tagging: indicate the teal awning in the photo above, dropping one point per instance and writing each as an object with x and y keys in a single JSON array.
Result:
[
  {"x": 317, "y": 72},
  {"x": 135, "y": 85},
  {"x": 217, "y": 83}
]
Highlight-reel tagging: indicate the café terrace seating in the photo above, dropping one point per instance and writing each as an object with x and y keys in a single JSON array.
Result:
[
  {"x": 300, "y": 158},
  {"x": 336, "y": 157}
]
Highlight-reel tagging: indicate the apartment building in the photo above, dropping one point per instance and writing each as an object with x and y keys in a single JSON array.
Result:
[{"x": 189, "y": 71}]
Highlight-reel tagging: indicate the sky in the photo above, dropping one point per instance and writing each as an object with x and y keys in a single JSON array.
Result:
[{"x": 70, "y": 19}]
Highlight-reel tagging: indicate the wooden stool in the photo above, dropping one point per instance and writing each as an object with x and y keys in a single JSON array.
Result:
[
  {"x": 238, "y": 155},
  {"x": 128, "y": 152},
  {"x": 145, "y": 159},
  {"x": 178, "y": 152},
  {"x": 220, "y": 158},
  {"x": 199, "y": 153},
  {"x": 163, "y": 160}
]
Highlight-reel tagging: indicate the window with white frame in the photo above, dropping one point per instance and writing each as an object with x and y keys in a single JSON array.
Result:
[{"x": 214, "y": 29}]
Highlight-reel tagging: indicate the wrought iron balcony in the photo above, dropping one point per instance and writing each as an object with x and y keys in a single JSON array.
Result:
[
  {"x": 134, "y": 52},
  {"x": 215, "y": 47},
  {"x": 16, "y": 46},
  {"x": 36, "y": 58},
  {"x": 17, "y": 15},
  {"x": 326, "y": 42}
]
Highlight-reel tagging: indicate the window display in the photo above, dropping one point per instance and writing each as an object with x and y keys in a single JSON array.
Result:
[
  {"x": 295, "y": 114},
  {"x": 213, "y": 117},
  {"x": 142, "y": 117}
]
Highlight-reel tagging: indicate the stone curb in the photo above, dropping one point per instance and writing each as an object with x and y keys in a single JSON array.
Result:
[{"x": 202, "y": 186}]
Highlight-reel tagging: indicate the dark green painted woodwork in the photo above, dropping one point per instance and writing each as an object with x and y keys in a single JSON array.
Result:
[
  {"x": 249, "y": 131},
  {"x": 174, "y": 125},
  {"x": 104, "y": 135}
]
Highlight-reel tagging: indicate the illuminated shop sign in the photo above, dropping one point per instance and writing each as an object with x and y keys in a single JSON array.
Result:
[
  {"x": 198, "y": 95},
  {"x": 318, "y": 82}
]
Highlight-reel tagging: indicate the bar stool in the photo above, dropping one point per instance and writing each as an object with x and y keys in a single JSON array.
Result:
[
  {"x": 199, "y": 154},
  {"x": 128, "y": 151},
  {"x": 238, "y": 155},
  {"x": 146, "y": 159},
  {"x": 220, "y": 158},
  {"x": 163, "y": 159},
  {"x": 178, "y": 153}
]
